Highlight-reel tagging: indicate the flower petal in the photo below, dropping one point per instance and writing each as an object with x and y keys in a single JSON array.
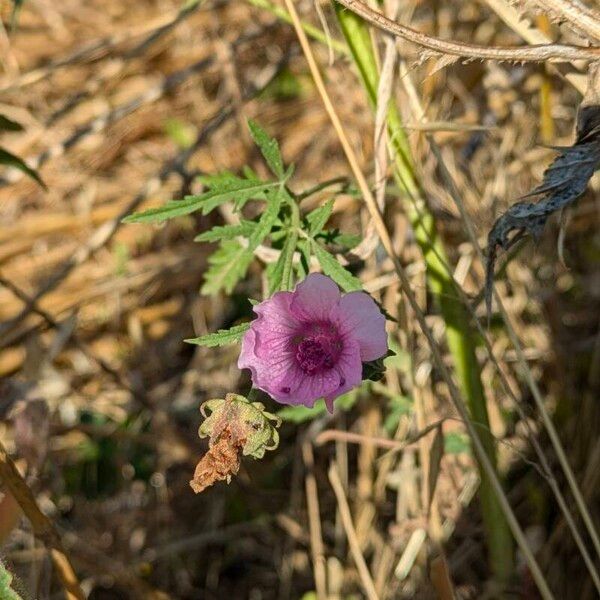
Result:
[
  {"x": 247, "y": 358},
  {"x": 315, "y": 386},
  {"x": 358, "y": 318},
  {"x": 314, "y": 298},
  {"x": 276, "y": 313},
  {"x": 349, "y": 368}
]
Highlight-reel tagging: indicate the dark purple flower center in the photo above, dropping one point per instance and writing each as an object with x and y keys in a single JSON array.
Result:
[{"x": 318, "y": 350}]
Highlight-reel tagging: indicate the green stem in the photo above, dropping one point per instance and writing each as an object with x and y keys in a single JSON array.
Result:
[
  {"x": 321, "y": 186},
  {"x": 288, "y": 270},
  {"x": 253, "y": 394},
  {"x": 459, "y": 333}
]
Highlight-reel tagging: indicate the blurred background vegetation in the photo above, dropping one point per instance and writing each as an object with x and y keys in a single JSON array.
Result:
[{"x": 122, "y": 106}]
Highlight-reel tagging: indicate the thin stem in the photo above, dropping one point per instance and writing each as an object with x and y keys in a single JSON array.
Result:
[
  {"x": 526, "y": 371},
  {"x": 321, "y": 186},
  {"x": 287, "y": 277}
]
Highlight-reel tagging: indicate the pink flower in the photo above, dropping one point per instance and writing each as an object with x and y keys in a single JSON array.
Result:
[{"x": 311, "y": 343}]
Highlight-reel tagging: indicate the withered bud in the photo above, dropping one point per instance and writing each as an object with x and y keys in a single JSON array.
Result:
[{"x": 235, "y": 427}]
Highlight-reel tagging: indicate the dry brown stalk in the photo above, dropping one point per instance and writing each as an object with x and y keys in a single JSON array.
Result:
[
  {"x": 581, "y": 18},
  {"x": 538, "y": 53},
  {"x": 361, "y": 565},
  {"x": 533, "y": 35},
  {"x": 356, "y": 438},
  {"x": 314, "y": 521},
  {"x": 439, "y": 573},
  {"x": 42, "y": 526}
]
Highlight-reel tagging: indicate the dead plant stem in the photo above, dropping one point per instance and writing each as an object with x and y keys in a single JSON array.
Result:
[{"x": 42, "y": 526}]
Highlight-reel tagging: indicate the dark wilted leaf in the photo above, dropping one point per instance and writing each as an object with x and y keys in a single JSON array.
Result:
[
  {"x": 10, "y": 160},
  {"x": 7, "y": 124},
  {"x": 435, "y": 461},
  {"x": 564, "y": 181}
]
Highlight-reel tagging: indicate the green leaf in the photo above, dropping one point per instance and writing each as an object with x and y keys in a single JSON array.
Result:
[
  {"x": 9, "y": 159},
  {"x": 317, "y": 218},
  {"x": 303, "y": 267},
  {"x": 227, "y": 266},
  {"x": 7, "y": 124},
  {"x": 236, "y": 190},
  {"x": 227, "y": 232},
  {"x": 267, "y": 219},
  {"x": 399, "y": 406},
  {"x": 457, "y": 443},
  {"x": 281, "y": 277},
  {"x": 6, "y": 579},
  {"x": 343, "y": 240},
  {"x": 183, "y": 134},
  {"x": 301, "y": 414},
  {"x": 269, "y": 148},
  {"x": 14, "y": 17},
  {"x": 335, "y": 270},
  {"x": 221, "y": 337},
  {"x": 222, "y": 180},
  {"x": 249, "y": 173},
  {"x": 284, "y": 86}
]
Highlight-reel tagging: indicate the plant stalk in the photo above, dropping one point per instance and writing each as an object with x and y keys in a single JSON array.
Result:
[{"x": 459, "y": 332}]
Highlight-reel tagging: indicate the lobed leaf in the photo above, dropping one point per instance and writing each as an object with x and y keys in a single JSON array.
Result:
[
  {"x": 280, "y": 278},
  {"x": 332, "y": 268},
  {"x": 227, "y": 266},
  {"x": 6, "y": 580},
  {"x": 269, "y": 148},
  {"x": 317, "y": 218},
  {"x": 222, "y": 337},
  {"x": 267, "y": 219},
  {"x": 237, "y": 189},
  {"x": 227, "y": 232}
]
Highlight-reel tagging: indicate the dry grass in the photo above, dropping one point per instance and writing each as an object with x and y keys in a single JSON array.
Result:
[{"x": 102, "y": 344}]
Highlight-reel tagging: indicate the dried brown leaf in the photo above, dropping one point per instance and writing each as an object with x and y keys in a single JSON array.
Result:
[{"x": 220, "y": 462}]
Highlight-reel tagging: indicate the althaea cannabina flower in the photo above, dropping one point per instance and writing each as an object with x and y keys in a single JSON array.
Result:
[{"x": 311, "y": 343}]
